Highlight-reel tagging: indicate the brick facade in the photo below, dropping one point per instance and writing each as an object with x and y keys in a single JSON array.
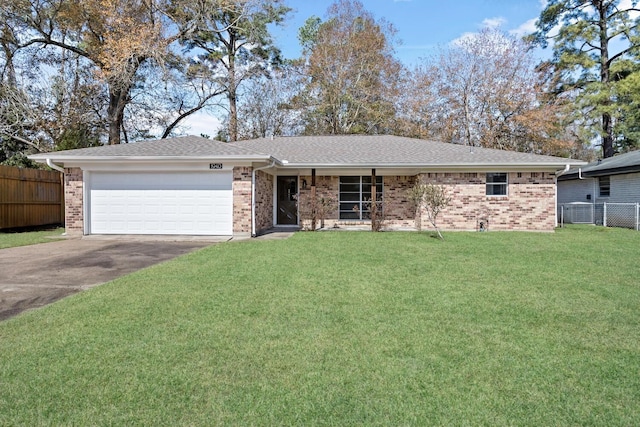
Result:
[
  {"x": 73, "y": 206},
  {"x": 529, "y": 204},
  {"x": 264, "y": 201},
  {"x": 242, "y": 200},
  {"x": 326, "y": 189}
]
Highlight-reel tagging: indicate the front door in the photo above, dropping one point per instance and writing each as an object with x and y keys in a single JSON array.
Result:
[{"x": 287, "y": 200}]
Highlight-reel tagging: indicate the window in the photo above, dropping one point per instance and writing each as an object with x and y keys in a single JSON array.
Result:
[
  {"x": 496, "y": 184},
  {"x": 604, "y": 185},
  {"x": 355, "y": 196}
]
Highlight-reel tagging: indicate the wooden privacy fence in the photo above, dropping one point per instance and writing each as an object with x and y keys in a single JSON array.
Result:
[{"x": 30, "y": 197}]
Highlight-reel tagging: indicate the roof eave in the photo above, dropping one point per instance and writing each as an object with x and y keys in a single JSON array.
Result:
[
  {"x": 528, "y": 165},
  {"x": 156, "y": 159}
]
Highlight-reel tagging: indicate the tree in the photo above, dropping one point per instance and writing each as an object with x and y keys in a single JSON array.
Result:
[
  {"x": 414, "y": 109},
  {"x": 486, "y": 91},
  {"x": 165, "y": 96},
  {"x": 352, "y": 74},
  {"x": 627, "y": 95},
  {"x": 265, "y": 108},
  {"x": 430, "y": 198},
  {"x": 591, "y": 39},
  {"x": 238, "y": 46},
  {"x": 114, "y": 36}
]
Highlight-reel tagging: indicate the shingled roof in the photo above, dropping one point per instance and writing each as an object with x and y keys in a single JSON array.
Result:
[
  {"x": 621, "y": 163},
  {"x": 387, "y": 150},
  {"x": 315, "y": 151},
  {"x": 184, "y": 147}
]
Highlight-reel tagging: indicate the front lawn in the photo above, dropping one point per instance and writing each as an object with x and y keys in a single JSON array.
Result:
[
  {"x": 10, "y": 239},
  {"x": 344, "y": 328}
]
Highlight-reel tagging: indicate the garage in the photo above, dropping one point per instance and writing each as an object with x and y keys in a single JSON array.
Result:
[{"x": 174, "y": 203}]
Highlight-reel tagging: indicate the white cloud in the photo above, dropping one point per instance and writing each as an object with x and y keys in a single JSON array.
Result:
[
  {"x": 460, "y": 41},
  {"x": 495, "y": 22},
  {"x": 525, "y": 28},
  {"x": 491, "y": 23}
]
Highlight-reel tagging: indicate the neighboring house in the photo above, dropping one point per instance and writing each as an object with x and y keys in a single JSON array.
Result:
[
  {"x": 195, "y": 186},
  {"x": 605, "y": 192},
  {"x": 612, "y": 180}
]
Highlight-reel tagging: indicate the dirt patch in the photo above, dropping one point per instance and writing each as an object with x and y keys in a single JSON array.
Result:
[{"x": 20, "y": 298}]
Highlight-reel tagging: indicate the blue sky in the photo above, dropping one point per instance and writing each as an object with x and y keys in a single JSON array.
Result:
[{"x": 422, "y": 25}]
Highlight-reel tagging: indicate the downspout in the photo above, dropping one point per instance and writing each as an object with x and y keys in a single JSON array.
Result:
[
  {"x": 54, "y": 166},
  {"x": 62, "y": 205},
  {"x": 253, "y": 196},
  {"x": 562, "y": 172},
  {"x": 593, "y": 190}
]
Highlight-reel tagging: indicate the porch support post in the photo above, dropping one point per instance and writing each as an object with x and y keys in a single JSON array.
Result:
[
  {"x": 374, "y": 206},
  {"x": 314, "y": 207}
]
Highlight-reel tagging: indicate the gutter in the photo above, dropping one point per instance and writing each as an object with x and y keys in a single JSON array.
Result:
[
  {"x": 104, "y": 159},
  {"x": 54, "y": 166},
  {"x": 555, "y": 197},
  {"x": 448, "y": 166},
  {"x": 253, "y": 196}
]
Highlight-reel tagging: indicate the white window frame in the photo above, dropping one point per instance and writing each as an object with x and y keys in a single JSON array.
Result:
[
  {"x": 607, "y": 186},
  {"x": 493, "y": 184},
  {"x": 362, "y": 213}
]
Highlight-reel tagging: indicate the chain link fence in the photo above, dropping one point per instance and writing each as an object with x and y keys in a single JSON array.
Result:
[{"x": 625, "y": 215}]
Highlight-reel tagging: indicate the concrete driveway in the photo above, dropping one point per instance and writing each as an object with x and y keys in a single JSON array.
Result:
[{"x": 36, "y": 275}]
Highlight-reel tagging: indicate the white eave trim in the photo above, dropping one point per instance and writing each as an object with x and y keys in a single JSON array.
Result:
[
  {"x": 103, "y": 159},
  {"x": 448, "y": 167}
]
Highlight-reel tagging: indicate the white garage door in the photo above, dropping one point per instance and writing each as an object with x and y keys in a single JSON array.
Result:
[{"x": 199, "y": 203}]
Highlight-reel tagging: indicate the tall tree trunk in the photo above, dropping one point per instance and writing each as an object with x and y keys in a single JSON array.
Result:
[
  {"x": 232, "y": 94},
  {"x": 607, "y": 123},
  {"x": 10, "y": 72},
  {"x": 115, "y": 112},
  {"x": 607, "y": 137},
  {"x": 233, "y": 114}
]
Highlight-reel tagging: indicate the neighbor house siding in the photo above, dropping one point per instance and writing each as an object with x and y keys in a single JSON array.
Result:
[
  {"x": 576, "y": 190},
  {"x": 73, "y": 195},
  {"x": 264, "y": 201},
  {"x": 625, "y": 188},
  {"x": 242, "y": 200}
]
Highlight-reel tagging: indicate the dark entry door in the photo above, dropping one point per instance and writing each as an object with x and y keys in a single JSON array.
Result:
[{"x": 287, "y": 200}]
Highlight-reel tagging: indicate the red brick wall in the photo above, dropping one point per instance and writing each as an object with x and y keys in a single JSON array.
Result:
[
  {"x": 242, "y": 200},
  {"x": 326, "y": 188},
  {"x": 73, "y": 210},
  {"x": 529, "y": 205},
  {"x": 264, "y": 201}
]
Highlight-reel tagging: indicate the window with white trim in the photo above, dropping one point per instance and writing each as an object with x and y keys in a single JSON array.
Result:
[
  {"x": 497, "y": 184},
  {"x": 355, "y": 196},
  {"x": 604, "y": 186}
]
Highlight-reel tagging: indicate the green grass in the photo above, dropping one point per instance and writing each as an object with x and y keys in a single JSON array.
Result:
[
  {"x": 342, "y": 328},
  {"x": 10, "y": 239}
]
